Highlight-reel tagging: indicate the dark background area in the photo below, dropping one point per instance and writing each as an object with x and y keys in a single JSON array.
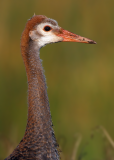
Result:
[{"x": 80, "y": 77}]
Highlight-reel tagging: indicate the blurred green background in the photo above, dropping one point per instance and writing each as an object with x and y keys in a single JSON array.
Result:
[{"x": 80, "y": 77}]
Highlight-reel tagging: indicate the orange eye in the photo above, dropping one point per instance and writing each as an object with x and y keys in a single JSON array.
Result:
[{"x": 47, "y": 28}]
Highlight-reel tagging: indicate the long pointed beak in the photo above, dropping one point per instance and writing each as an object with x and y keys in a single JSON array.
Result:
[{"x": 71, "y": 37}]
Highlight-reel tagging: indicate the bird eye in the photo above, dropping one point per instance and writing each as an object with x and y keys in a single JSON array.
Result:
[{"x": 47, "y": 28}]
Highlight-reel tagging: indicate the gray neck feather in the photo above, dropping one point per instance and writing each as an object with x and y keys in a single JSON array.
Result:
[
  {"x": 39, "y": 141},
  {"x": 39, "y": 117}
]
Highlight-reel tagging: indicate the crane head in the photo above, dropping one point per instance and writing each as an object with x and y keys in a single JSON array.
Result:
[{"x": 44, "y": 30}]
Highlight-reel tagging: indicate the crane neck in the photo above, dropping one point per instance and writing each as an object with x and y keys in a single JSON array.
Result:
[
  {"x": 39, "y": 141},
  {"x": 39, "y": 124},
  {"x": 38, "y": 104}
]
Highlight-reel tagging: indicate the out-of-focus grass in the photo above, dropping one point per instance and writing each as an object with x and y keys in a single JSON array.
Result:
[{"x": 80, "y": 77}]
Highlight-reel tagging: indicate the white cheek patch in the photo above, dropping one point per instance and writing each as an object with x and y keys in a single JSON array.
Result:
[{"x": 47, "y": 37}]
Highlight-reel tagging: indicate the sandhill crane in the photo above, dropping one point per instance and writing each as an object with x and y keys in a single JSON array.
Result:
[{"x": 39, "y": 141}]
